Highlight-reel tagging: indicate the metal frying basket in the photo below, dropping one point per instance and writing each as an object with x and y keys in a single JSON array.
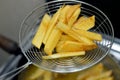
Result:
[{"x": 72, "y": 64}]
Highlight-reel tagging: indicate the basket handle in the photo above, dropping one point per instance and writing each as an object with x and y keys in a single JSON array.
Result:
[
  {"x": 13, "y": 73},
  {"x": 115, "y": 50}
]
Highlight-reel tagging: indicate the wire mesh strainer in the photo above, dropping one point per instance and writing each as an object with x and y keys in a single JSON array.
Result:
[{"x": 72, "y": 64}]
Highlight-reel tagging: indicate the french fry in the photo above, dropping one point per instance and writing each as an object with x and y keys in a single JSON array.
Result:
[
  {"x": 59, "y": 44},
  {"x": 52, "y": 41},
  {"x": 63, "y": 27},
  {"x": 68, "y": 46},
  {"x": 63, "y": 55},
  {"x": 74, "y": 17},
  {"x": 64, "y": 11},
  {"x": 71, "y": 10},
  {"x": 39, "y": 36},
  {"x": 85, "y": 23},
  {"x": 88, "y": 34},
  {"x": 71, "y": 46},
  {"x": 66, "y": 38},
  {"x": 52, "y": 25},
  {"x": 56, "y": 33}
]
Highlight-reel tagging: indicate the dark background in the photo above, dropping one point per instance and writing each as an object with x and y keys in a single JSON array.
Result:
[{"x": 111, "y": 9}]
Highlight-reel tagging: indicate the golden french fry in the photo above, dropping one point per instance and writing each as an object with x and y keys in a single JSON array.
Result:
[
  {"x": 88, "y": 34},
  {"x": 71, "y": 46},
  {"x": 52, "y": 25},
  {"x": 85, "y": 23},
  {"x": 66, "y": 37},
  {"x": 63, "y": 55},
  {"x": 59, "y": 44},
  {"x": 71, "y": 10},
  {"x": 39, "y": 36},
  {"x": 63, "y": 27},
  {"x": 56, "y": 33},
  {"x": 63, "y": 14},
  {"x": 74, "y": 17},
  {"x": 52, "y": 41},
  {"x": 68, "y": 46}
]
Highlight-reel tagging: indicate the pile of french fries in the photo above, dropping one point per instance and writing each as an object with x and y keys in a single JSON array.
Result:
[
  {"x": 97, "y": 72},
  {"x": 66, "y": 33}
]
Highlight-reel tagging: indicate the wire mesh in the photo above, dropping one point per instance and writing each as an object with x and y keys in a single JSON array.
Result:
[{"x": 71, "y": 64}]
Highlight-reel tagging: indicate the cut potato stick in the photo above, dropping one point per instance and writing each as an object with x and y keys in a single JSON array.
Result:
[
  {"x": 52, "y": 41},
  {"x": 88, "y": 34},
  {"x": 71, "y": 46},
  {"x": 85, "y": 23},
  {"x": 59, "y": 43},
  {"x": 74, "y": 17},
  {"x": 56, "y": 33},
  {"x": 66, "y": 38},
  {"x": 63, "y": 27},
  {"x": 64, "y": 11},
  {"x": 71, "y": 10},
  {"x": 39, "y": 36},
  {"x": 63, "y": 55},
  {"x": 52, "y": 25}
]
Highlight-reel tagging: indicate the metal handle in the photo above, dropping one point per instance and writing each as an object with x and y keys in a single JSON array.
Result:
[
  {"x": 11, "y": 64},
  {"x": 115, "y": 50},
  {"x": 11, "y": 47},
  {"x": 13, "y": 73}
]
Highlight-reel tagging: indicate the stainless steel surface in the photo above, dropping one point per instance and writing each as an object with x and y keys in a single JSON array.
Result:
[{"x": 115, "y": 50}]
